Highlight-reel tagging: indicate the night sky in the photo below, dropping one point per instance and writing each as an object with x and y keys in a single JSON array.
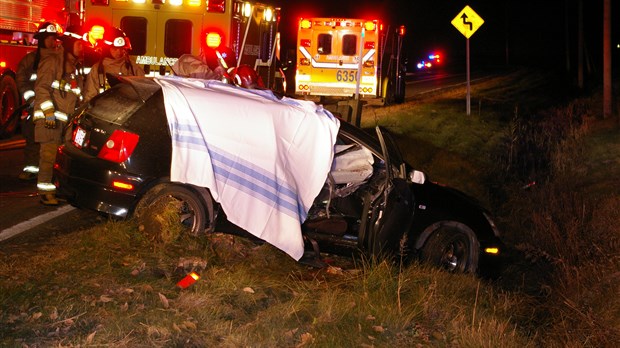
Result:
[{"x": 524, "y": 32}]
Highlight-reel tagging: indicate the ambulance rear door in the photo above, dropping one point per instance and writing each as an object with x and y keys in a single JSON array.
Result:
[{"x": 158, "y": 36}]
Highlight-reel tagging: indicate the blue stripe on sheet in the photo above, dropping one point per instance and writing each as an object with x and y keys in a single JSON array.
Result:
[{"x": 256, "y": 181}]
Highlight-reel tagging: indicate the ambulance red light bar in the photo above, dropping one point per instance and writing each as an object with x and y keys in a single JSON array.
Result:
[{"x": 216, "y": 6}]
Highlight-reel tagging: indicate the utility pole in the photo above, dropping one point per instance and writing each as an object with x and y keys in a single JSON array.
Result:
[
  {"x": 607, "y": 59},
  {"x": 580, "y": 52}
]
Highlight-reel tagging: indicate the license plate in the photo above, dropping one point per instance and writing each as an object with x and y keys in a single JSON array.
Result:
[{"x": 79, "y": 138}]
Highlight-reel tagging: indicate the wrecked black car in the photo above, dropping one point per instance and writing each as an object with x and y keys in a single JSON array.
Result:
[{"x": 285, "y": 171}]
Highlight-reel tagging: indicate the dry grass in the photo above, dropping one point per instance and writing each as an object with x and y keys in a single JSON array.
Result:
[{"x": 106, "y": 286}]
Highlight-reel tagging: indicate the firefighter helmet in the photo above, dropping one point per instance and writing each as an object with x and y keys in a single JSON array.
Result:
[
  {"x": 247, "y": 77},
  {"x": 73, "y": 34},
  {"x": 222, "y": 56},
  {"x": 45, "y": 29},
  {"x": 115, "y": 37}
]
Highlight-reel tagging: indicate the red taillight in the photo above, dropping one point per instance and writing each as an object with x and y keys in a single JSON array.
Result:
[
  {"x": 119, "y": 146},
  {"x": 369, "y": 45},
  {"x": 217, "y": 6},
  {"x": 304, "y": 42}
]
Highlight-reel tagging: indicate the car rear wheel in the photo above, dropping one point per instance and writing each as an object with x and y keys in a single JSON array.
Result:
[
  {"x": 168, "y": 211},
  {"x": 452, "y": 246}
]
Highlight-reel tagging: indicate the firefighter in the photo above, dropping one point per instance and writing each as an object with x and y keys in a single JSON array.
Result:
[
  {"x": 46, "y": 35},
  {"x": 114, "y": 46},
  {"x": 57, "y": 94}
]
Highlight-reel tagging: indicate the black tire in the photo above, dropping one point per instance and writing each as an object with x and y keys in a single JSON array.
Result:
[
  {"x": 453, "y": 247},
  {"x": 9, "y": 101},
  {"x": 168, "y": 211}
]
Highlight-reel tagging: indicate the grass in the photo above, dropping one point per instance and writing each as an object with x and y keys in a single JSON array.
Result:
[
  {"x": 248, "y": 295},
  {"x": 111, "y": 285}
]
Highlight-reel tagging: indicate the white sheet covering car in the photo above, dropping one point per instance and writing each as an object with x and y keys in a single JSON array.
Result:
[{"x": 265, "y": 174}]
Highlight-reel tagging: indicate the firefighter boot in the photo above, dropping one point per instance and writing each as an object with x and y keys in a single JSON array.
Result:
[{"x": 49, "y": 199}]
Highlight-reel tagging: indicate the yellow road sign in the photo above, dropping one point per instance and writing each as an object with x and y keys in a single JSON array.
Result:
[{"x": 467, "y": 21}]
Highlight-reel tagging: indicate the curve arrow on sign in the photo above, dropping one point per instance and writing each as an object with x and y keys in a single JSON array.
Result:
[{"x": 464, "y": 17}]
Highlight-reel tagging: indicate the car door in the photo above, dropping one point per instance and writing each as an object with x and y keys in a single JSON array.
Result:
[{"x": 390, "y": 211}]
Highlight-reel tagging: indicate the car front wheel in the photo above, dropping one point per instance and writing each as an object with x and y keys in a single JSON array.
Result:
[
  {"x": 168, "y": 211},
  {"x": 452, "y": 246}
]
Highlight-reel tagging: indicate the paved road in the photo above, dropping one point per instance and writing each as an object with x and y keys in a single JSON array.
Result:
[{"x": 22, "y": 217}]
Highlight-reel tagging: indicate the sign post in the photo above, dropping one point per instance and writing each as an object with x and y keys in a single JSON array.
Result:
[{"x": 467, "y": 22}]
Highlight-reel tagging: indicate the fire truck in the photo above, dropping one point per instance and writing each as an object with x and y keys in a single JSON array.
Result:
[
  {"x": 18, "y": 23},
  {"x": 344, "y": 57},
  {"x": 161, "y": 31}
]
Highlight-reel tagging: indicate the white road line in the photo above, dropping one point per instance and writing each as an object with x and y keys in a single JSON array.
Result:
[{"x": 34, "y": 222}]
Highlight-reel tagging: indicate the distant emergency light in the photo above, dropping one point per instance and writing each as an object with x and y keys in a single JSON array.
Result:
[{"x": 305, "y": 24}]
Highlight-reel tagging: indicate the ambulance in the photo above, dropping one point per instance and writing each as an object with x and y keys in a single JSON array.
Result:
[
  {"x": 345, "y": 57},
  {"x": 161, "y": 31}
]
